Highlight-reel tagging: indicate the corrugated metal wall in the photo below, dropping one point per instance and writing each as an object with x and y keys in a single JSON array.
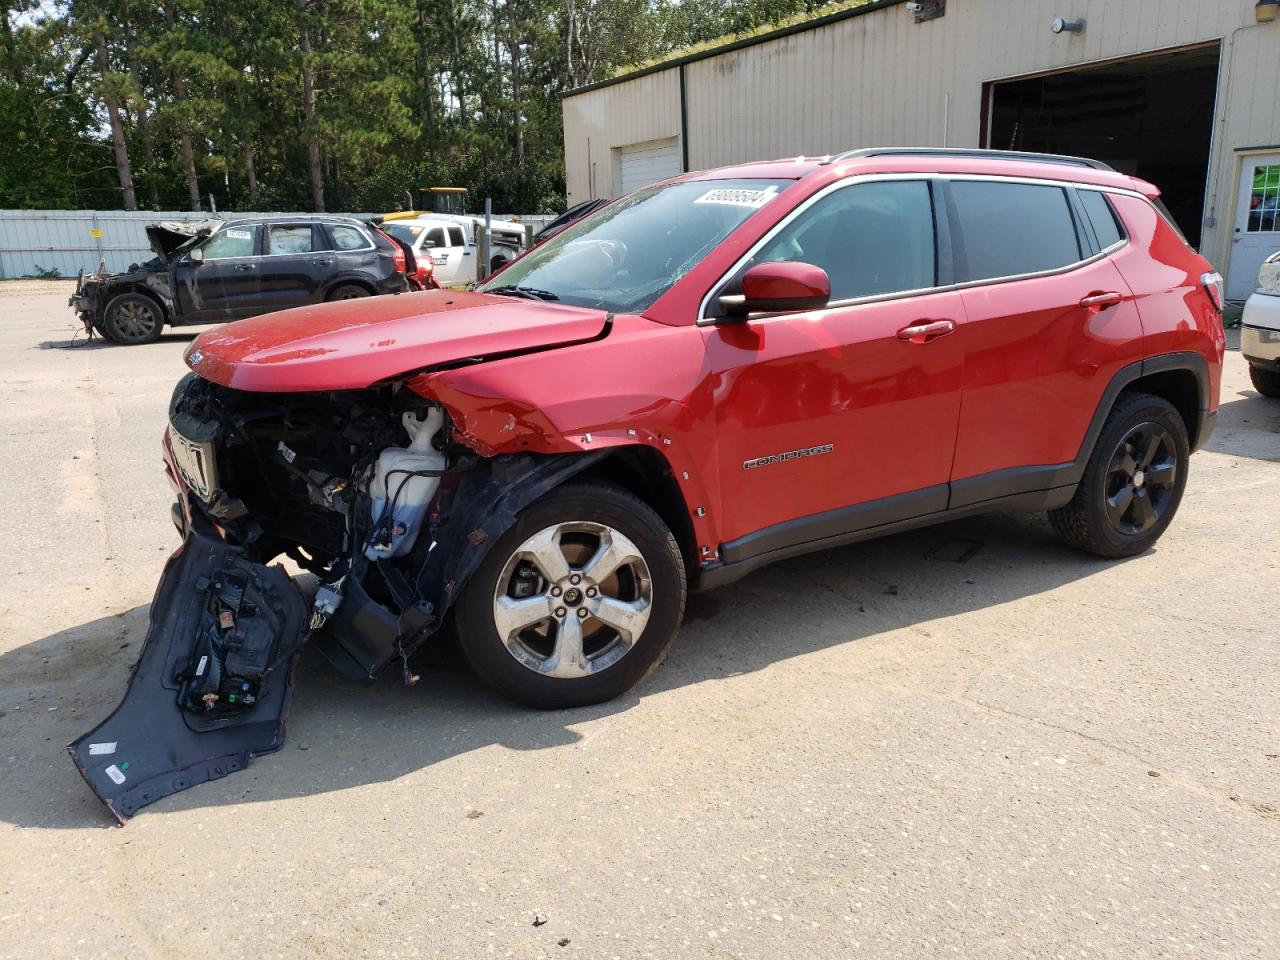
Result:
[
  {"x": 32, "y": 241},
  {"x": 880, "y": 79}
]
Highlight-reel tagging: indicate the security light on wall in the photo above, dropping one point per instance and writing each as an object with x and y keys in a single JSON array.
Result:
[
  {"x": 1266, "y": 10},
  {"x": 1059, "y": 25}
]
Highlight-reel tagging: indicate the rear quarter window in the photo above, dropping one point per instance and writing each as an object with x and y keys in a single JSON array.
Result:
[
  {"x": 1102, "y": 217},
  {"x": 348, "y": 238},
  {"x": 1011, "y": 229}
]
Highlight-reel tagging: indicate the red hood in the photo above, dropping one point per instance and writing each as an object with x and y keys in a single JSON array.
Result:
[{"x": 351, "y": 344}]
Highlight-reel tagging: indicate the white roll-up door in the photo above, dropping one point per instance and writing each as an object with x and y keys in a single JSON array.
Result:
[{"x": 640, "y": 164}]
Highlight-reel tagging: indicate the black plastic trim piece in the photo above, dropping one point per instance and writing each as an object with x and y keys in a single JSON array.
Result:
[
  {"x": 709, "y": 578},
  {"x": 821, "y": 527},
  {"x": 1015, "y": 481}
]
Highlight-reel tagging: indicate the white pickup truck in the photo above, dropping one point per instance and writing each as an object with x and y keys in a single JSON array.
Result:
[{"x": 450, "y": 241}]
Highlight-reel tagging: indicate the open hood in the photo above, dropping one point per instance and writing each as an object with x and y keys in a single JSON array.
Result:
[
  {"x": 169, "y": 235},
  {"x": 353, "y": 344}
]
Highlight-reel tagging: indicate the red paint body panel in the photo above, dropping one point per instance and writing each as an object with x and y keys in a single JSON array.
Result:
[
  {"x": 349, "y": 345},
  {"x": 842, "y": 377},
  {"x": 1036, "y": 363},
  {"x": 785, "y": 281},
  {"x": 644, "y": 384},
  {"x": 1178, "y": 315}
]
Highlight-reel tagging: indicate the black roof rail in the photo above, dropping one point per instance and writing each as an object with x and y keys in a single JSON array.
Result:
[{"x": 969, "y": 152}]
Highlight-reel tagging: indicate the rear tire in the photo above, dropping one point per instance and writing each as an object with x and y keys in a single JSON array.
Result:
[
  {"x": 1133, "y": 482},
  {"x": 131, "y": 319},
  {"x": 566, "y": 642},
  {"x": 348, "y": 291},
  {"x": 1266, "y": 382}
]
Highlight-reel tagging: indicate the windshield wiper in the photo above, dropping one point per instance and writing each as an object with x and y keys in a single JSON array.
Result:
[{"x": 528, "y": 293}]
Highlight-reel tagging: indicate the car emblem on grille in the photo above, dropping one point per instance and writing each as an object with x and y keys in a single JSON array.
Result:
[{"x": 196, "y": 357}]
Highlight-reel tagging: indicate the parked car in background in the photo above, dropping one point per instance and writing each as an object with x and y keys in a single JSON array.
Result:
[
  {"x": 445, "y": 244},
  {"x": 219, "y": 270},
  {"x": 452, "y": 244},
  {"x": 1260, "y": 329},
  {"x": 710, "y": 374}
]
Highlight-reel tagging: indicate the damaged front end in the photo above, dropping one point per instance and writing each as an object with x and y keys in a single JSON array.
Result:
[
  {"x": 367, "y": 491},
  {"x": 95, "y": 290}
]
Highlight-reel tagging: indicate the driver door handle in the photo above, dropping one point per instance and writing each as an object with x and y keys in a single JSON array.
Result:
[
  {"x": 1099, "y": 300},
  {"x": 924, "y": 332},
  {"x": 246, "y": 267},
  {"x": 322, "y": 261}
]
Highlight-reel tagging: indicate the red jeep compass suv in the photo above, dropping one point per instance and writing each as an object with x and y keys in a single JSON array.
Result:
[{"x": 710, "y": 374}]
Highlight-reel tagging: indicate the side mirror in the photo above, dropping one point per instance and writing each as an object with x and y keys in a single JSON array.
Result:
[
  {"x": 778, "y": 287},
  {"x": 196, "y": 255}
]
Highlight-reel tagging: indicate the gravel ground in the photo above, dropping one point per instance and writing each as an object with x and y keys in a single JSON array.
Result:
[{"x": 867, "y": 752}]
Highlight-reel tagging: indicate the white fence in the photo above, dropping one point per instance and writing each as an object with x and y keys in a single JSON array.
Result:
[{"x": 36, "y": 241}]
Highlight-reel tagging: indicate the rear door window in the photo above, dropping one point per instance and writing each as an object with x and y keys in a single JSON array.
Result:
[
  {"x": 348, "y": 238},
  {"x": 237, "y": 241},
  {"x": 871, "y": 239},
  {"x": 289, "y": 239},
  {"x": 456, "y": 239},
  {"x": 1101, "y": 217},
  {"x": 1011, "y": 229}
]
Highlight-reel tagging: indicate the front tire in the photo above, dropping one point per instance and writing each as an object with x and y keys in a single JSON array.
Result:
[
  {"x": 577, "y": 602},
  {"x": 1133, "y": 482},
  {"x": 1266, "y": 382},
  {"x": 132, "y": 318}
]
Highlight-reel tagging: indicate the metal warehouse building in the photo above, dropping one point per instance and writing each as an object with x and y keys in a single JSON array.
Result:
[{"x": 1185, "y": 93}]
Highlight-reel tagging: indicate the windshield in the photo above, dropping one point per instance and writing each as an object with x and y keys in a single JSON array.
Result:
[
  {"x": 632, "y": 251},
  {"x": 402, "y": 231}
]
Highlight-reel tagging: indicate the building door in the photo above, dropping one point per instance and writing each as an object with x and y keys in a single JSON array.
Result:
[
  {"x": 640, "y": 164},
  {"x": 1257, "y": 230},
  {"x": 1149, "y": 116}
]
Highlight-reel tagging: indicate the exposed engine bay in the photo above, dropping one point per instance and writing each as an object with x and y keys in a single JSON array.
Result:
[{"x": 363, "y": 489}]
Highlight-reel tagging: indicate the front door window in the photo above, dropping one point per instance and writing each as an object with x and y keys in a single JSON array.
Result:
[{"x": 231, "y": 242}]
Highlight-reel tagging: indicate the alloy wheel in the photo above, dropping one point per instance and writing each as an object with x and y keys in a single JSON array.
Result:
[
  {"x": 573, "y": 599},
  {"x": 1141, "y": 478}
]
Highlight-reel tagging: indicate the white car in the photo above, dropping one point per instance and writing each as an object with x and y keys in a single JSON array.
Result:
[
  {"x": 1260, "y": 329},
  {"x": 450, "y": 242}
]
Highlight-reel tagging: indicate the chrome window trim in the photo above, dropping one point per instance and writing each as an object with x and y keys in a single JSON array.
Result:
[
  {"x": 1115, "y": 214},
  {"x": 703, "y": 320}
]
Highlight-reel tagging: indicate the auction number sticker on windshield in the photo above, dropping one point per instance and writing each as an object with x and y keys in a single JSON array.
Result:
[
  {"x": 239, "y": 234},
  {"x": 738, "y": 197}
]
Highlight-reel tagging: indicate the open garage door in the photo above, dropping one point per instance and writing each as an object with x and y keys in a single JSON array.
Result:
[
  {"x": 1150, "y": 116},
  {"x": 640, "y": 164}
]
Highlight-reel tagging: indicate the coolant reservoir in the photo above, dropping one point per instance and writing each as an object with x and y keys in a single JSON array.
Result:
[{"x": 395, "y": 485}]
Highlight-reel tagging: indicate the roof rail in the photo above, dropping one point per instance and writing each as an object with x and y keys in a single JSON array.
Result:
[{"x": 968, "y": 152}]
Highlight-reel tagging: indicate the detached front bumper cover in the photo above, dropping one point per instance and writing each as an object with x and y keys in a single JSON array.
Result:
[{"x": 212, "y": 684}]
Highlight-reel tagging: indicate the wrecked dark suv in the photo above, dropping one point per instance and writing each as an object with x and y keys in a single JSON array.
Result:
[
  {"x": 218, "y": 270},
  {"x": 710, "y": 374}
]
